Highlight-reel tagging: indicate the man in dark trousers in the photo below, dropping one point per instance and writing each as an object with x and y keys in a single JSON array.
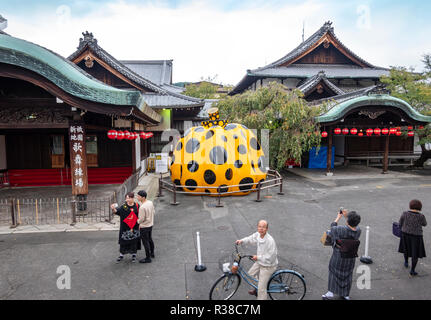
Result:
[{"x": 146, "y": 222}]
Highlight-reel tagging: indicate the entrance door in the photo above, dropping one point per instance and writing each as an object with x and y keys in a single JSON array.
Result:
[
  {"x": 57, "y": 151},
  {"x": 91, "y": 146}
]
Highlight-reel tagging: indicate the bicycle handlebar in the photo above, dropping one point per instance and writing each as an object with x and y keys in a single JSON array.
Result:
[{"x": 240, "y": 255}]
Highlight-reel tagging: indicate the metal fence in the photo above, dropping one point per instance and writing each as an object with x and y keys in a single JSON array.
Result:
[
  {"x": 20, "y": 211},
  {"x": 273, "y": 179},
  {"x": 129, "y": 185}
]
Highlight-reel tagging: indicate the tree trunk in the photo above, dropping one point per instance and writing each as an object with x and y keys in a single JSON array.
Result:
[{"x": 426, "y": 154}]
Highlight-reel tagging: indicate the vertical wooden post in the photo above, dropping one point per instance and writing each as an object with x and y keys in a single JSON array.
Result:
[
  {"x": 386, "y": 155},
  {"x": 329, "y": 152},
  {"x": 12, "y": 212},
  {"x": 73, "y": 209}
]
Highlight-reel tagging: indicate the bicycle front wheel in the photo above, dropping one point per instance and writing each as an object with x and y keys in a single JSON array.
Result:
[
  {"x": 286, "y": 285},
  {"x": 225, "y": 287}
]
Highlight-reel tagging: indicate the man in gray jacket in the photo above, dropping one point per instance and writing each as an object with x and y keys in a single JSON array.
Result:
[{"x": 266, "y": 258}]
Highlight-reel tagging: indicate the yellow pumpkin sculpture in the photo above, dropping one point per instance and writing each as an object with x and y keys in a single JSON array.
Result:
[{"x": 218, "y": 154}]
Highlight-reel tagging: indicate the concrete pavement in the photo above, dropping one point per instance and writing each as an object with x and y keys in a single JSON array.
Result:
[{"x": 297, "y": 219}]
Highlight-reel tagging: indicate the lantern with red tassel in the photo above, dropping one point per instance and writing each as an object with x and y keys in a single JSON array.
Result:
[
  {"x": 377, "y": 131},
  {"x": 411, "y": 133},
  {"x": 345, "y": 131},
  {"x": 385, "y": 131},
  {"x": 143, "y": 135},
  {"x": 324, "y": 134},
  {"x": 398, "y": 133},
  {"x": 392, "y": 131},
  {"x": 369, "y": 132},
  {"x": 353, "y": 131},
  {"x": 112, "y": 134},
  {"x": 150, "y": 134},
  {"x": 337, "y": 130},
  {"x": 126, "y": 135}
]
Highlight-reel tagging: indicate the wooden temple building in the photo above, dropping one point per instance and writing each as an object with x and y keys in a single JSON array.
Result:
[
  {"x": 153, "y": 79},
  {"x": 55, "y": 114},
  {"x": 326, "y": 71},
  {"x": 54, "y": 119}
]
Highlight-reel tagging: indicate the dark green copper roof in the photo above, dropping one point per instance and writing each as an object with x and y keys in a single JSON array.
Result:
[
  {"x": 61, "y": 72},
  {"x": 340, "y": 110}
]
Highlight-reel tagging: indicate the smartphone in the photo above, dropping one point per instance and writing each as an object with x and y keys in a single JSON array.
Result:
[{"x": 341, "y": 210}]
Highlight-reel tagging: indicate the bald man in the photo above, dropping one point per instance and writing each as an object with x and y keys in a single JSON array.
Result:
[{"x": 266, "y": 258}]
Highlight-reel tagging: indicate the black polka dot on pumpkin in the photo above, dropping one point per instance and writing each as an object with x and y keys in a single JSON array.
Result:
[
  {"x": 191, "y": 184},
  {"x": 224, "y": 188},
  {"x": 254, "y": 144},
  {"x": 179, "y": 146},
  {"x": 243, "y": 187},
  {"x": 209, "y": 176},
  {"x": 178, "y": 183},
  {"x": 235, "y": 136},
  {"x": 199, "y": 129},
  {"x": 207, "y": 191},
  {"x": 218, "y": 155},
  {"x": 228, "y": 174},
  {"x": 187, "y": 132},
  {"x": 242, "y": 149},
  {"x": 173, "y": 159},
  {"x": 230, "y": 126},
  {"x": 238, "y": 164},
  {"x": 252, "y": 165},
  {"x": 193, "y": 166},
  {"x": 192, "y": 145},
  {"x": 181, "y": 171},
  {"x": 209, "y": 134}
]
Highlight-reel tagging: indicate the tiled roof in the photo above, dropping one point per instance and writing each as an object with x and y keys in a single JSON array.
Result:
[
  {"x": 157, "y": 71},
  {"x": 311, "y": 83},
  {"x": 67, "y": 76},
  {"x": 163, "y": 96},
  {"x": 296, "y": 70}
]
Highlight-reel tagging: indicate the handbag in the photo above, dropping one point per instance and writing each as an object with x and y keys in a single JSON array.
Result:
[
  {"x": 326, "y": 239},
  {"x": 396, "y": 229}
]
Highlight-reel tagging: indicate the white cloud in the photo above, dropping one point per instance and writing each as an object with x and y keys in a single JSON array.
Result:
[{"x": 202, "y": 39}]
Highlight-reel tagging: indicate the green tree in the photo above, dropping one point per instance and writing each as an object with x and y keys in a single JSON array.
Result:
[
  {"x": 291, "y": 122},
  {"x": 203, "y": 90},
  {"x": 414, "y": 88}
]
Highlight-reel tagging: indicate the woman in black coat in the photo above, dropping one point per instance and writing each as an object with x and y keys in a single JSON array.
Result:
[{"x": 411, "y": 241}]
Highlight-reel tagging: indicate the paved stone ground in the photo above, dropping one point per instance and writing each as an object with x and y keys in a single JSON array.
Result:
[{"x": 297, "y": 219}]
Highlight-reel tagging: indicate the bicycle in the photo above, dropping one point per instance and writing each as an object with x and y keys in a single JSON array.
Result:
[{"x": 284, "y": 284}]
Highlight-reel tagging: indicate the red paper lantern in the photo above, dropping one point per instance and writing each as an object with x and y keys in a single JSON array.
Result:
[
  {"x": 369, "y": 132},
  {"x": 126, "y": 135},
  {"x": 143, "y": 135},
  {"x": 337, "y": 130},
  {"x": 411, "y": 133},
  {"x": 385, "y": 131},
  {"x": 398, "y": 133},
  {"x": 120, "y": 135},
  {"x": 353, "y": 131},
  {"x": 377, "y": 131},
  {"x": 345, "y": 131},
  {"x": 421, "y": 127},
  {"x": 150, "y": 134},
  {"x": 409, "y": 128},
  {"x": 360, "y": 134},
  {"x": 112, "y": 134},
  {"x": 324, "y": 134},
  {"x": 392, "y": 130}
]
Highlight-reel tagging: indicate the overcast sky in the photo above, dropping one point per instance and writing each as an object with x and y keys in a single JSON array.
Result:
[{"x": 224, "y": 38}]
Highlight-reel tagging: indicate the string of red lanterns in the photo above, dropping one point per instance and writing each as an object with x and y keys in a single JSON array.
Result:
[
  {"x": 369, "y": 132},
  {"x": 126, "y": 135}
]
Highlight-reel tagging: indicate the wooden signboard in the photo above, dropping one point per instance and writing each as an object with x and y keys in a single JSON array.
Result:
[{"x": 78, "y": 158}]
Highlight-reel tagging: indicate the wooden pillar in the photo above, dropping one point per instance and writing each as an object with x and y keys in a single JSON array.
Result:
[
  {"x": 386, "y": 155},
  {"x": 133, "y": 149},
  {"x": 329, "y": 152}
]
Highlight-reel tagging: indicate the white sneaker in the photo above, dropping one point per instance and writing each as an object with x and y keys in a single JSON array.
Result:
[{"x": 328, "y": 296}]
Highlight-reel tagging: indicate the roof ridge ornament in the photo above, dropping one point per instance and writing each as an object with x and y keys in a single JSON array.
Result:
[
  {"x": 328, "y": 26},
  {"x": 88, "y": 38}
]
